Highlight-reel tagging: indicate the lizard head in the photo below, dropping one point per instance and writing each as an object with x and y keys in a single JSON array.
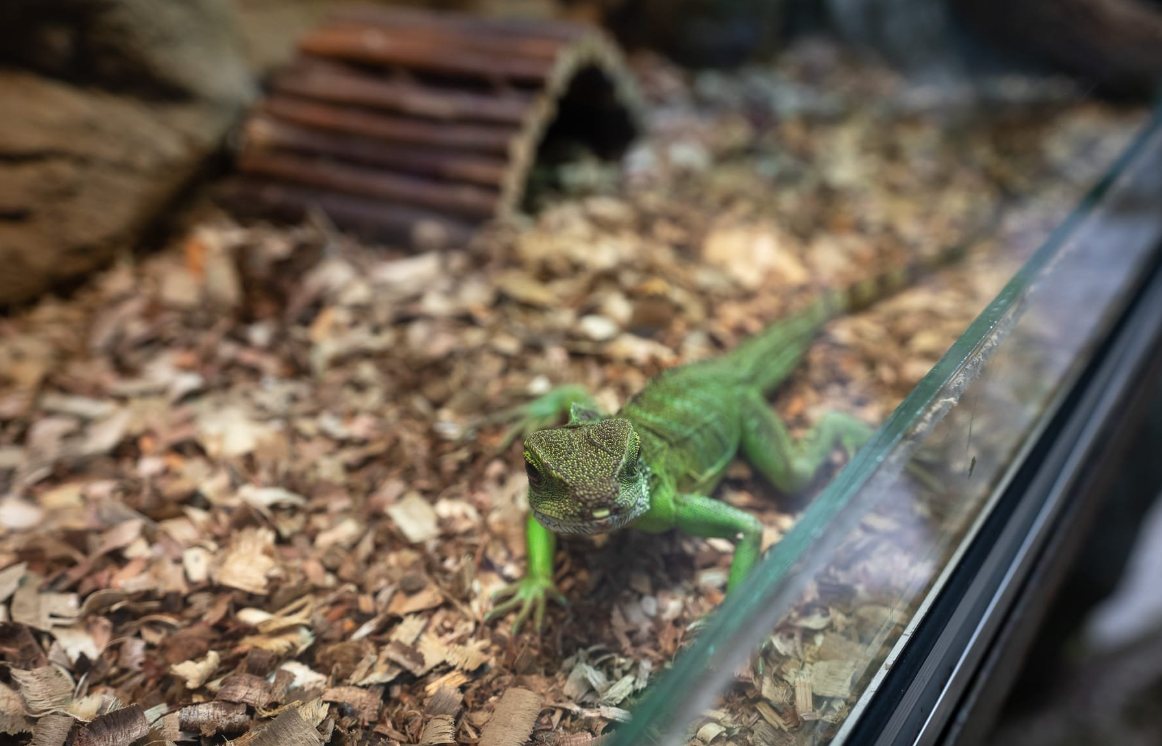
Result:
[{"x": 587, "y": 478}]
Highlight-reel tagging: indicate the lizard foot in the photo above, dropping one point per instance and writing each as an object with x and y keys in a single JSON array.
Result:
[
  {"x": 918, "y": 466},
  {"x": 528, "y": 594}
]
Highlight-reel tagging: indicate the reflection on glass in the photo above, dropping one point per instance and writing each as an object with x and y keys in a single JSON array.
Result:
[{"x": 858, "y": 569}]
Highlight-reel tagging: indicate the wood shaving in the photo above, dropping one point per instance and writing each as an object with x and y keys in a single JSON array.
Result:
[
  {"x": 52, "y": 730},
  {"x": 246, "y": 688},
  {"x": 12, "y": 717},
  {"x": 440, "y": 729},
  {"x": 197, "y": 673},
  {"x": 211, "y": 718},
  {"x": 512, "y": 722},
  {"x": 44, "y": 690},
  {"x": 288, "y": 729},
  {"x": 365, "y": 702},
  {"x": 10, "y": 580},
  {"x": 833, "y": 678},
  {"x": 41, "y": 610},
  {"x": 445, "y": 701},
  {"x": 804, "y": 697},
  {"x": 415, "y": 518},
  {"x": 117, "y": 728},
  {"x": 248, "y": 561}
]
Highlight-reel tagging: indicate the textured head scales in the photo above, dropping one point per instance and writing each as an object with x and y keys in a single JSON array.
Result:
[{"x": 586, "y": 478}]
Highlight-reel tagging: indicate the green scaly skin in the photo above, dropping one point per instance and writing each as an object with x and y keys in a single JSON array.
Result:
[{"x": 653, "y": 465}]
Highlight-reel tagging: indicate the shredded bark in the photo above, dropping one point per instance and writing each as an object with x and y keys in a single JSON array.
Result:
[
  {"x": 117, "y": 728},
  {"x": 440, "y": 729},
  {"x": 44, "y": 689},
  {"x": 513, "y": 721},
  {"x": 446, "y": 701},
  {"x": 288, "y": 729},
  {"x": 13, "y": 720},
  {"x": 210, "y": 718},
  {"x": 246, "y": 688},
  {"x": 52, "y": 730}
]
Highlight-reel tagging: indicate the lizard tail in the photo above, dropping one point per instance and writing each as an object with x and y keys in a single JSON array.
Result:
[
  {"x": 867, "y": 292},
  {"x": 768, "y": 358}
]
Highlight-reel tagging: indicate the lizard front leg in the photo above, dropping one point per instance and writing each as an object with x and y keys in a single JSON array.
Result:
[
  {"x": 712, "y": 519},
  {"x": 791, "y": 464},
  {"x": 529, "y": 592}
]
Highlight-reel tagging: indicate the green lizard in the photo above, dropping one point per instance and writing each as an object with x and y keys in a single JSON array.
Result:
[{"x": 653, "y": 465}]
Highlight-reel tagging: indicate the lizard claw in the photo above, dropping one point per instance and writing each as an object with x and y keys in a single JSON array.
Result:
[{"x": 529, "y": 595}]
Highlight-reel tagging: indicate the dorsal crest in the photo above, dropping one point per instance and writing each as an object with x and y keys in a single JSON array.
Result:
[{"x": 580, "y": 414}]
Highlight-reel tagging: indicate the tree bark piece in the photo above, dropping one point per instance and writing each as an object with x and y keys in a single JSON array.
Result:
[{"x": 110, "y": 108}]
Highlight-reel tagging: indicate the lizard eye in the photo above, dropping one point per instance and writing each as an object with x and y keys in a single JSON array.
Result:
[{"x": 533, "y": 473}]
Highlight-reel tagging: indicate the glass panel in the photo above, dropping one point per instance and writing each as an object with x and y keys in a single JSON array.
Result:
[{"x": 842, "y": 588}]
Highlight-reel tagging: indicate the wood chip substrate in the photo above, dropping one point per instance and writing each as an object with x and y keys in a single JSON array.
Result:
[
  {"x": 249, "y": 491},
  {"x": 403, "y": 122}
]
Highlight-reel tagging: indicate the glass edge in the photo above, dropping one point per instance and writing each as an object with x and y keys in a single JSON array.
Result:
[{"x": 767, "y": 593}]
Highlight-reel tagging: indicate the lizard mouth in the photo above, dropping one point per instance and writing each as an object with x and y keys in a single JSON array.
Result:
[{"x": 588, "y": 526}]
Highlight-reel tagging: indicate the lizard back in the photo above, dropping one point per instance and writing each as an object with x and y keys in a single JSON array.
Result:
[{"x": 690, "y": 424}]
